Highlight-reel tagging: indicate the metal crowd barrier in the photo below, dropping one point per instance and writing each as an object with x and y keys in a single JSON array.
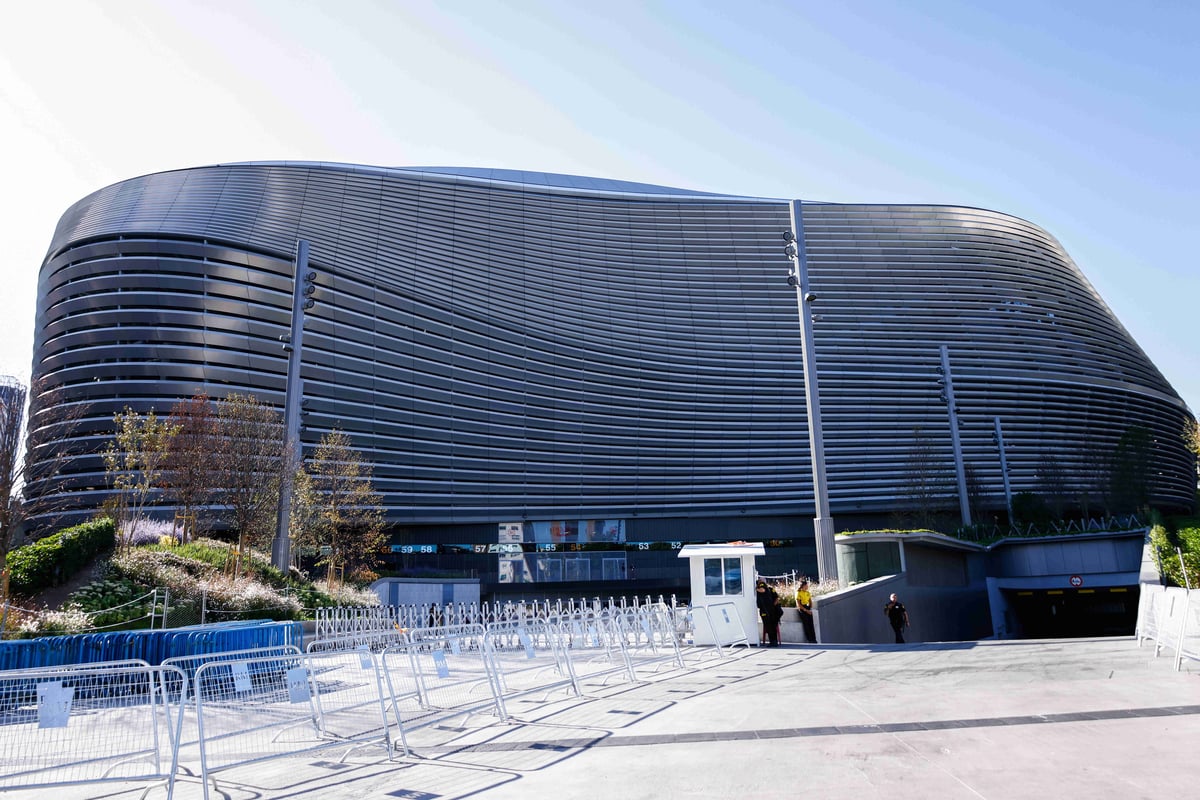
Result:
[
  {"x": 349, "y": 620},
  {"x": 88, "y": 724},
  {"x": 131, "y": 721},
  {"x": 724, "y": 625},
  {"x": 151, "y": 646},
  {"x": 596, "y": 648},
  {"x": 651, "y": 636},
  {"x": 439, "y": 673},
  {"x": 1170, "y": 617},
  {"x": 261, "y": 707}
]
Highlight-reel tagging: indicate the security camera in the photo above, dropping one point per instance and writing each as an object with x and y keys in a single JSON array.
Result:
[
  {"x": 809, "y": 297},
  {"x": 792, "y": 280},
  {"x": 790, "y": 250},
  {"x": 788, "y": 236}
]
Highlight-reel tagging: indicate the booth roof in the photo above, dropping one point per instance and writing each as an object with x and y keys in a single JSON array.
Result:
[{"x": 718, "y": 550}]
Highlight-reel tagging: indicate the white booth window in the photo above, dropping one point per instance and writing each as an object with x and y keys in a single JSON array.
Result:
[{"x": 722, "y": 576}]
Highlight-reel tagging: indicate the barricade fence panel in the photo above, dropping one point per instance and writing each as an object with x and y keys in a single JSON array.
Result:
[
  {"x": 376, "y": 641},
  {"x": 151, "y": 646},
  {"x": 352, "y": 698},
  {"x": 1150, "y": 597},
  {"x": 651, "y": 637},
  {"x": 96, "y": 723},
  {"x": 1189, "y": 634},
  {"x": 188, "y": 665},
  {"x": 437, "y": 673},
  {"x": 1170, "y": 618},
  {"x": 343, "y": 621},
  {"x": 724, "y": 625},
  {"x": 529, "y": 656},
  {"x": 1171, "y": 615},
  {"x": 596, "y": 647},
  {"x": 262, "y": 707}
]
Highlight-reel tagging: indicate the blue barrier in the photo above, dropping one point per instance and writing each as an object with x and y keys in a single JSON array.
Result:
[{"x": 150, "y": 646}]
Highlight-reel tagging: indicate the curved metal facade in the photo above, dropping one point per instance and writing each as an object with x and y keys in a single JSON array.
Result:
[{"x": 508, "y": 346}]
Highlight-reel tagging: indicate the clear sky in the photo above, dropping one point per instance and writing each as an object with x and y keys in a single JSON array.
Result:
[{"x": 1083, "y": 117}]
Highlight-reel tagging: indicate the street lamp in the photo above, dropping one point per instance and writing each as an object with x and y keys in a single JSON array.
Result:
[{"x": 827, "y": 568}]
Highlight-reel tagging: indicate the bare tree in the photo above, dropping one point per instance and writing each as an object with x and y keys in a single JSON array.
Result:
[
  {"x": 1095, "y": 475},
  {"x": 51, "y": 448},
  {"x": 977, "y": 493},
  {"x": 927, "y": 481},
  {"x": 1052, "y": 484},
  {"x": 248, "y": 461},
  {"x": 134, "y": 461},
  {"x": 12, "y": 424},
  {"x": 347, "y": 518},
  {"x": 188, "y": 471}
]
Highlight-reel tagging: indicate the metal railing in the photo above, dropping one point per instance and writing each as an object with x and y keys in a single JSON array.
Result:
[{"x": 1170, "y": 618}]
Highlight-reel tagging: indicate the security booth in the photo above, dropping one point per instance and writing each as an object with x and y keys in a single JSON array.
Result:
[{"x": 724, "y": 609}]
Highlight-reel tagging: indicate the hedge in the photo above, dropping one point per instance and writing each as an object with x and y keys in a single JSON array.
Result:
[{"x": 56, "y": 558}]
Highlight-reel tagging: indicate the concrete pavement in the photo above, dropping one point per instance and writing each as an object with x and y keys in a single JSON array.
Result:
[{"x": 1062, "y": 718}]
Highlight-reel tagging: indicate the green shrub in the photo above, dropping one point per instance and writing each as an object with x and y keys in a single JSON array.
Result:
[
  {"x": 56, "y": 558},
  {"x": 1188, "y": 542},
  {"x": 113, "y": 602},
  {"x": 220, "y": 556}
]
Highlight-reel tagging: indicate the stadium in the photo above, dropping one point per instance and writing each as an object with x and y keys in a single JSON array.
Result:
[{"x": 561, "y": 380}]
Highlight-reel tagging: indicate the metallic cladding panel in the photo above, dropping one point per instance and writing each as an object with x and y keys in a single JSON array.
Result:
[{"x": 499, "y": 349}]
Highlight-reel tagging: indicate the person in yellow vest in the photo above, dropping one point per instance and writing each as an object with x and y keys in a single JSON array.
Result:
[{"x": 804, "y": 606}]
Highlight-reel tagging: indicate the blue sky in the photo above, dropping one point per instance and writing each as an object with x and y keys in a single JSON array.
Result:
[{"x": 1082, "y": 117}]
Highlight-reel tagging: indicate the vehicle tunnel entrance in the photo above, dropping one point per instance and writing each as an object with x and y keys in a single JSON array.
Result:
[{"x": 1067, "y": 613}]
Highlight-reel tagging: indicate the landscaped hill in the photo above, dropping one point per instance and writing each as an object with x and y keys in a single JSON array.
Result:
[{"x": 160, "y": 583}]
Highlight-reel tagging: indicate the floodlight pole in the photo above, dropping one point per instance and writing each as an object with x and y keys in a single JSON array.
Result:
[
  {"x": 302, "y": 289},
  {"x": 827, "y": 567},
  {"x": 999, "y": 439},
  {"x": 959, "y": 471}
]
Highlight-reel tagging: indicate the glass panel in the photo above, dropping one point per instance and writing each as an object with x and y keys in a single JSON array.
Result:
[
  {"x": 713, "y": 584},
  {"x": 579, "y": 569},
  {"x": 613, "y": 569},
  {"x": 550, "y": 569},
  {"x": 733, "y": 576}
]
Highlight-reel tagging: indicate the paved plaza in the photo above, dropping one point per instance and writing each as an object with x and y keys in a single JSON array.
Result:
[{"x": 1063, "y": 718}]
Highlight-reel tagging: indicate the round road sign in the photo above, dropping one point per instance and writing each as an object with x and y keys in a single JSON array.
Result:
[{"x": 1077, "y": 580}]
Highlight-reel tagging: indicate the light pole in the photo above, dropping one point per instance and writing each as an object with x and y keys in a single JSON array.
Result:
[
  {"x": 947, "y": 383},
  {"x": 827, "y": 568},
  {"x": 303, "y": 287}
]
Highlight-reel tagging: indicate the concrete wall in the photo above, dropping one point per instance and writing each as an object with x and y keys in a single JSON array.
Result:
[
  {"x": 855, "y": 615},
  {"x": 1079, "y": 554},
  {"x": 937, "y": 613},
  {"x": 422, "y": 592}
]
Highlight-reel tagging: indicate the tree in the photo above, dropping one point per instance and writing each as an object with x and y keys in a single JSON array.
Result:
[
  {"x": 12, "y": 425},
  {"x": 1030, "y": 509},
  {"x": 1052, "y": 484},
  {"x": 347, "y": 520},
  {"x": 188, "y": 470},
  {"x": 134, "y": 461},
  {"x": 977, "y": 493},
  {"x": 1095, "y": 474},
  {"x": 42, "y": 483},
  {"x": 927, "y": 481},
  {"x": 1130, "y": 481},
  {"x": 247, "y": 464},
  {"x": 1191, "y": 435}
]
